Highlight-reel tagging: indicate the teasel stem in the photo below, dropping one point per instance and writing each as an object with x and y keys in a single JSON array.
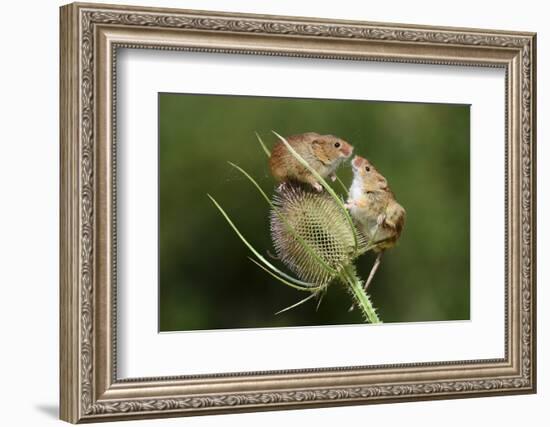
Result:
[{"x": 355, "y": 287}]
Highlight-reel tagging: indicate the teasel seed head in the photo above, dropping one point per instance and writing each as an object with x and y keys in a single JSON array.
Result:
[{"x": 322, "y": 225}]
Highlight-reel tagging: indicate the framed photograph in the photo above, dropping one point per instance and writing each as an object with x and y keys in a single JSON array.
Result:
[{"x": 266, "y": 212}]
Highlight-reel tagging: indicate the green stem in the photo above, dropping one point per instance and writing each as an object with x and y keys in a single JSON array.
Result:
[
  {"x": 342, "y": 185},
  {"x": 349, "y": 277}
]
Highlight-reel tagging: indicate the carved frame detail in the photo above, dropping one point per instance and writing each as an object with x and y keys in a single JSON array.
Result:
[{"x": 85, "y": 396}]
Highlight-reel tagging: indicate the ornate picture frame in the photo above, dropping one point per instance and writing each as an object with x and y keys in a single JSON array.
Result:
[{"x": 90, "y": 37}]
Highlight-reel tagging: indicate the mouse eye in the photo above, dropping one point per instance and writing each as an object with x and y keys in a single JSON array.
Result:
[
  {"x": 367, "y": 168},
  {"x": 337, "y": 145}
]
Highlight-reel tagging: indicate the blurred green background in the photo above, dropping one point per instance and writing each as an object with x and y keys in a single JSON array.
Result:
[{"x": 206, "y": 280}]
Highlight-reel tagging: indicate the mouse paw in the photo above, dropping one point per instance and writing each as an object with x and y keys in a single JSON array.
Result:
[
  {"x": 333, "y": 177},
  {"x": 381, "y": 219},
  {"x": 318, "y": 187},
  {"x": 281, "y": 186}
]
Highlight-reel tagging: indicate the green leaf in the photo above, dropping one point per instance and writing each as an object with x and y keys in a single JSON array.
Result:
[
  {"x": 290, "y": 307},
  {"x": 264, "y": 147},
  {"x": 311, "y": 288},
  {"x": 299, "y": 238},
  {"x": 255, "y": 252}
]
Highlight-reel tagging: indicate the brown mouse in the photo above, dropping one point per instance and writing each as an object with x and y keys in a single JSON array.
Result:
[
  {"x": 373, "y": 206},
  {"x": 324, "y": 153}
]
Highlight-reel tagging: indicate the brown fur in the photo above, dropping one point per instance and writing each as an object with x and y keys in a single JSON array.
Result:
[
  {"x": 322, "y": 152},
  {"x": 373, "y": 206}
]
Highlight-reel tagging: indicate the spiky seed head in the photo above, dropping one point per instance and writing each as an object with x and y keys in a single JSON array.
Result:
[{"x": 320, "y": 222}]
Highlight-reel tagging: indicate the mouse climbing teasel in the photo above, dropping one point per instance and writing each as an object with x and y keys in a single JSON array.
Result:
[
  {"x": 323, "y": 153},
  {"x": 373, "y": 206},
  {"x": 374, "y": 209},
  {"x": 313, "y": 232}
]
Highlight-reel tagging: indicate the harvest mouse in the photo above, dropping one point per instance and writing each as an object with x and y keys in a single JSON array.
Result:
[
  {"x": 322, "y": 152},
  {"x": 373, "y": 206}
]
